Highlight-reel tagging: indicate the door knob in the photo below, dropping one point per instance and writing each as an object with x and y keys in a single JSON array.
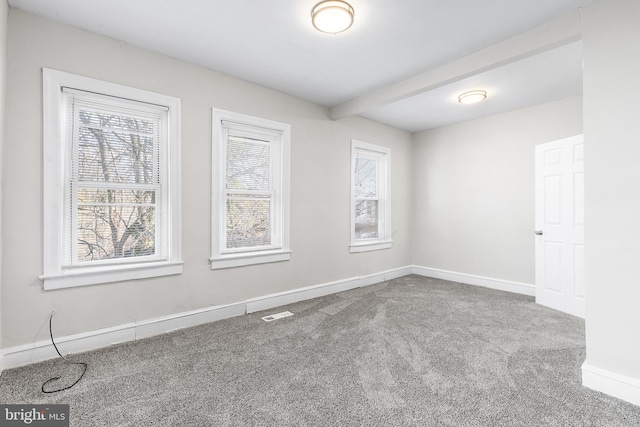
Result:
[{"x": 538, "y": 232}]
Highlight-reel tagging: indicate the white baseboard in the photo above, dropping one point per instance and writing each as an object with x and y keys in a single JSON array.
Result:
[
  {"x": 13, "y": 357},
  {"x": 611, "y": 383},
  {"x": 42, "y": 350},
  {"x": 470, "y": 279},
  {"x": 187, "y": 319},
  {"x": 283, "y": 298}
]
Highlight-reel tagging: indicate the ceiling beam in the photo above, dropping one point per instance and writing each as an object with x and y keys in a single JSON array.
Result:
[{"x": 542, "y": 38}]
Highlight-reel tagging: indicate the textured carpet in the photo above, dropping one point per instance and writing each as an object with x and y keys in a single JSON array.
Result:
[{"x": 410, "y": 352}]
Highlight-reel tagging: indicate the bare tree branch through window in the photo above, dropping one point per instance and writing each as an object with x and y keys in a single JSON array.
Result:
[
  {"x": 248, "y": 204},
  {"x": 116, "y": 214}
]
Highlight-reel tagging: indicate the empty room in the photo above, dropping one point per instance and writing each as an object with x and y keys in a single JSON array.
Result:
[{"x": 319, "y": 213}]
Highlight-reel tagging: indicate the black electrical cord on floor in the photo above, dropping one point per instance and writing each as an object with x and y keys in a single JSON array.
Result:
[{"x": 66, "y": 360}]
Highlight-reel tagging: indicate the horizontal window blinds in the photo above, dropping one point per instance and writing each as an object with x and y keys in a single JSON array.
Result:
[
  {"x": 249, "y": 187},
  {"x": 367, "y": 198},
  {"x": 116, "y": 183}
]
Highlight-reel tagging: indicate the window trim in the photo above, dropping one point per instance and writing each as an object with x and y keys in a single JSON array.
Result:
[
  {"x": 281, "y": 250},
  {"x": 55, "y": 274},
  {"x": 383, "y": 154}
]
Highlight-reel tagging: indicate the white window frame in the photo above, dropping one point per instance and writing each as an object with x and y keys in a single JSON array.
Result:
[
  {"x": 383, "y": 157},
  {"x": 58, "y": 273},
  {"x": 280, "y": 136}
]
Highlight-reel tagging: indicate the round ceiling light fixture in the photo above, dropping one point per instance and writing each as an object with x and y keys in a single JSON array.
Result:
[
  {"x": 472, "y": 97},
  {"x": 332, "y": 16}
]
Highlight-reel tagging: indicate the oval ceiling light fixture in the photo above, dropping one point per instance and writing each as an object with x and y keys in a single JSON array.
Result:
[
  {"x": 472, "y": 97},
  {"x": 332, "y": 16}
]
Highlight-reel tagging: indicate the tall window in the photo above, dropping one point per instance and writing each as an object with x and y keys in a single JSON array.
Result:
[
  {"x": 370, "y": 198},
  {"x": 251, "y": 190},
  {"x": 111, "y": 175}
]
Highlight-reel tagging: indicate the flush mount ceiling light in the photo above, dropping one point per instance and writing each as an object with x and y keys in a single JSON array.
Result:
[
  {"x": 332, "y": 16},
  {"x": 472, "y": 97}
]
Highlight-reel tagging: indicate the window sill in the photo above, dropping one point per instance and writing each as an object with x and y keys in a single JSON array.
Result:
[
  {"x": 370, "y": 246},
  {"x": 250, "y": 258},
  {"x": 97, "y": 275}
]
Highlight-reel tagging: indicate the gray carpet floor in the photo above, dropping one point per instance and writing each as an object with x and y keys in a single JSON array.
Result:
[{"x": 410, "y": 352}]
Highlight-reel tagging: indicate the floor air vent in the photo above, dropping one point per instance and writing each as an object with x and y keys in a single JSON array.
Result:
[{"x": 272, "y": 317}]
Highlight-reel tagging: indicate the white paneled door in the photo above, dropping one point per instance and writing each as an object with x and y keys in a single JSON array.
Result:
[{"x": 559, "y": 231}]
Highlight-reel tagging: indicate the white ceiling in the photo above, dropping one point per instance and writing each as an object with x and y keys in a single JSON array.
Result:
[
  {"x": 272, "y": 43},
  {"x": 551, "y": 75}
]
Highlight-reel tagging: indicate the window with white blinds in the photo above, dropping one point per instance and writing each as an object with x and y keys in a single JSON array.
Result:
[
  {"x": 251, "y": 190},
  {"x": 118, "y": 208},
  {"x": 370, "y": 197}
]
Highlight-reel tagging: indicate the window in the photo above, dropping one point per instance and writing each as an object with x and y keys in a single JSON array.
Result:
[
  {"x": 370, "y": 199},
  {"x": 250, "y": 203},
  {"x": 111, "y": 182}
]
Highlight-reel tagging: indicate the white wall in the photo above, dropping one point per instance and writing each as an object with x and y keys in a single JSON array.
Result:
[
  {"x": 612, "y": 193},
  {"x": 4, "y": 10},
  {"x": 474, "y": 190},
  {"x": 320, "y": 187}
]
